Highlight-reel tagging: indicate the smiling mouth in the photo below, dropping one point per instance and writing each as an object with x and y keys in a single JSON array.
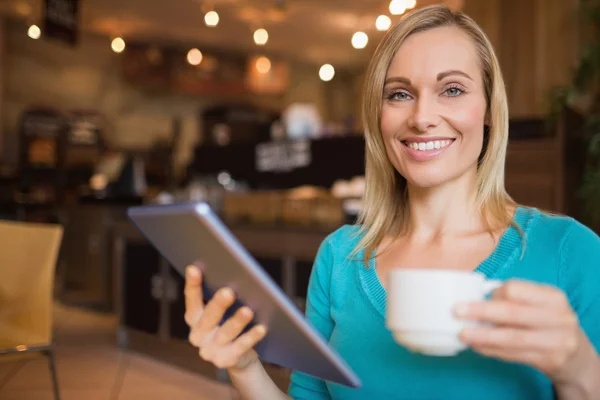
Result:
[{"x": 428, "y": 146}]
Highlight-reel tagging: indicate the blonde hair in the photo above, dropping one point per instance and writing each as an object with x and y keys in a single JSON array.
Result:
[{"x": 385, "y": 208}]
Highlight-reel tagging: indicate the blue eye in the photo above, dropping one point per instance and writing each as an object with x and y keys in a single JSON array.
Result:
[
  {"x": 398, "y": 96},
  {"x": 453, "y": 92}
]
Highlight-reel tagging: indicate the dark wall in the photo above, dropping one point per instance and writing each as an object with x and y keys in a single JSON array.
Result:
[{"x": 331, "y": 159}]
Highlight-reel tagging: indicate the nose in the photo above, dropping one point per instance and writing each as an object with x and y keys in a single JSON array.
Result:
[{"x": 424, "y": 115}]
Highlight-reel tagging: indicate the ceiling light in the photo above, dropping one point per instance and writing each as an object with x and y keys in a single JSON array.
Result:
[
  {"x": 261, "y": 36},
  {"x": 360, "y": 40},
  {"x": 194, "y": 57},
  {"x": 327, "y": 72},
  {"x": 224, "y": 178},
  {"x": 410, "y": 4},
  {"x": 383, "y": 23},
  {"x": 397, "y": 7},
  {"x": 34, "y": 32},
  {"x": 263, "y": 65},
  {"x": 118, "y": 45},
  {"x": 211, "y": 19}
]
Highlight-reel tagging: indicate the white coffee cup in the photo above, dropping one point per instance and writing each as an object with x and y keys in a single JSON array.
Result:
[{"x": 421, "y": 307}]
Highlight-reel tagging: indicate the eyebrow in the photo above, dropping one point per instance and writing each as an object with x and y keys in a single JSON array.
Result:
[
  {"x": 445, "y": 74},
  {"x": 440, "y": 76}
]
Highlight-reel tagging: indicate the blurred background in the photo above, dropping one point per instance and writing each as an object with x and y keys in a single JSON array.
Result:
[{"x": 252, "y": 106}]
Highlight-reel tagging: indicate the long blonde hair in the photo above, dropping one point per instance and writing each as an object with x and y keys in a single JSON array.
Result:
[{"x": 385, "y": 208}]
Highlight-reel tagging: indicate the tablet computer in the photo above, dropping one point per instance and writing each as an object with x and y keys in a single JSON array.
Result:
[{"x": 192, "y": 233}]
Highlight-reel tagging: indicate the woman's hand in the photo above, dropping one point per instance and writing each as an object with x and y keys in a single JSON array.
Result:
[
  {"x": 531, "y": 324},
  {"x": 219, "y": 345}
]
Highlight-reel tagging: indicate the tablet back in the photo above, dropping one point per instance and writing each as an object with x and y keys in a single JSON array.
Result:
[{"x": 192, "y": 234}]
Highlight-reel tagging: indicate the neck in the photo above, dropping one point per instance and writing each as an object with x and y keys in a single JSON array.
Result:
[{"x": 443, "y": 210}]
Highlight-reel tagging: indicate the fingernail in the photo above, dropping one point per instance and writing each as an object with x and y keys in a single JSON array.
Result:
[
  {"x": 261, "y": 329},
  {"x": 191, "y": 271},
  {"x": 245, "y": 311},
  {"x": 468, "y": 334},
  {"x": 462, "y": 310},
  {"x": 227, "y": 292}
]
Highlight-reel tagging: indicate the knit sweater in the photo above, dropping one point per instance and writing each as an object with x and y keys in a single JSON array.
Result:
[{"x": 346, "y": 303}]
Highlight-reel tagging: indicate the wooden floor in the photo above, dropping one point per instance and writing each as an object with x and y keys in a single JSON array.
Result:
[{"x": 91, "y": 367}]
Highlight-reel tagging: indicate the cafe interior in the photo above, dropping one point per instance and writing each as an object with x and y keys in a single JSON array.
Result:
[{"x": 252, "y": 106}]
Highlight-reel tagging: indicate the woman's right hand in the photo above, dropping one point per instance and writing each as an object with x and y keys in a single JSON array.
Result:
[{"x": 222, "y": 345}]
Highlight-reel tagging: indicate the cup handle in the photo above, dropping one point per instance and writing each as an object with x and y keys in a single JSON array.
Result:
[{"x": 490, "y": 285}]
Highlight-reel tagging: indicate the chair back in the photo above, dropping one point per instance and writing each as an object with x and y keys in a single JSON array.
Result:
[{"x": 28, "y": 257}]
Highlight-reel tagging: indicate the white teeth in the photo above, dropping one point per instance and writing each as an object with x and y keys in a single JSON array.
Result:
[{"x": 426, "y": 146}]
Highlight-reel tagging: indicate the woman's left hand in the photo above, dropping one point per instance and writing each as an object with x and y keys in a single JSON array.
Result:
[{"x": 531, "y": 324}]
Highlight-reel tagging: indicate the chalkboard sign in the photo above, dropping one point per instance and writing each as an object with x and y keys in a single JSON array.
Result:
[
  {"x": 83, "y": 138},
  {"x": 61, "y": 20},
  {"x": 282, "y": 156},
  {"x": 85, "y": 128}
]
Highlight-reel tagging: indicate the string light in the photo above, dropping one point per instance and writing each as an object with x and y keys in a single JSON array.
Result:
[
  {"x": 410, "y": 4},
  {"x": 327, "y": 72},
  {"x": 263, "y": 65},
  {"x": 34, "y": 32},
  {"x": 397, "y": 7},
  {"x": 360, "y": 40},
  {"x": 383, "y": 23},
  {"x": 261, "y": 36},
  {"x": 211, "y": 19},
  {"x": 118, "y": 45},
  {"x": 194, "y": 57}
]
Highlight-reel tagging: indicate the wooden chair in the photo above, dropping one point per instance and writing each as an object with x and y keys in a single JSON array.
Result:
[{"x": 28, "y": 256}]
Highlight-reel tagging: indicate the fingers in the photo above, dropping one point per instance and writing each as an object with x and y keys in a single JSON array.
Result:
[
  {"x": 504, "y": 312},
  {"x": 194, "y": 303},
  {"x": 230, "y": 355},
  {"x": 547, "y": 351},
  {"x": 206, "y": 326},
  {"x": 225, "y": 346},
  {"x": 215, "y": 309},
  {"x": 532, "y": 324},
  {"x": 522, "y": 304},
  {"x": 235, "y": 325},
  {"x": 515, "y": 356},
  {"x": 481, "y": 338},
  {"x": 534, "y": 294},
  {"x": 246, "y": 342}
]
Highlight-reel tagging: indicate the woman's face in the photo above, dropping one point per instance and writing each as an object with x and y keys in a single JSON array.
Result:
[{"x": 434, "y": 108}]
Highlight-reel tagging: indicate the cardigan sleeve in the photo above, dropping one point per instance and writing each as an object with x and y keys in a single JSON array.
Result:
[{"x": 580, "y": 277}]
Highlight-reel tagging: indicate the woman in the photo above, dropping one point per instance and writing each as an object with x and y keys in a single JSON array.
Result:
[{"x": 436, "y": 120}]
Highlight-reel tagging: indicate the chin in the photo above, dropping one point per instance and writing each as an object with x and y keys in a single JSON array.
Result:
[
  {"x": 426, "y": 183},
  {"x": 429, "y": 179}
]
